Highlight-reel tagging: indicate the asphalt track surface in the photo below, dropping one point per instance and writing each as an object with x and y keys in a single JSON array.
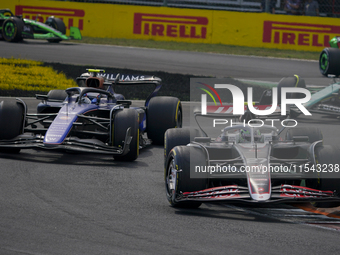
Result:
[{"x": 60, "y": 203}]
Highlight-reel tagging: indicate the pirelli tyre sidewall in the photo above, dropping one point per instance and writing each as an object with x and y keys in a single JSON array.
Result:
[
  {"x": 12, "y": 29},
  {"x": 329, "y": 61},
  {"x": 181, "y": 160}
]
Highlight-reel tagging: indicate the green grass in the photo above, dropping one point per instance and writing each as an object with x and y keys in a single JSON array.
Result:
[{"x": 202, "y": 47}]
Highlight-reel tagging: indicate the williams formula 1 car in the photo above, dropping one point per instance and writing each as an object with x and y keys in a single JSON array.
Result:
[
  {"x": 92, "y": 118},
  {"x": 249, "y": 164},
  {"x": 15, "y": 28}
]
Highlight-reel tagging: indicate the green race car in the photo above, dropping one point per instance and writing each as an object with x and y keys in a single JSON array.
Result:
[{"x": 15, "y": 28}]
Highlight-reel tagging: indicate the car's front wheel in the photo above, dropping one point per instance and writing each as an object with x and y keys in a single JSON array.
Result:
[
  {"x": 57, "y": 24},
  {"x": 327, "y": 174},
  {"x": 124, "y": 119},
  {"x": 181, "y": 163}
]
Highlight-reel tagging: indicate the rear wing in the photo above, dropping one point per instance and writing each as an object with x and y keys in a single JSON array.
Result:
[
  {"x": 120, "y": 79},
  {"x": 112, "y": 79}
]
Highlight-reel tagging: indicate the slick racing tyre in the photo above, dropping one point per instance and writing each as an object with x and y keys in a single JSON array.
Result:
[
  {"x": 177, "y": 174},
  {"x": 11, "y": 122},
  {"x": 326, "y": 181},
  {"x": 178, "y": 136},
  {"x": 329, "y": 61},
  {"x": 122, "y": 121},
  {"x": 314, "y": 134},
  {"x": 57, "y": 24},
  {"x": 163, "y": 113},
  {"x": 290, "y": 82},
  {"x": 12, "y": 29}
]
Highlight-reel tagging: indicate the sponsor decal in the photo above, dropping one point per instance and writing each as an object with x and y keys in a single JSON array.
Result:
[
  {"x": 238, "y": 100},
  {"x": 193, "y": 27},
  {"x": 69, "y": 16},
  {"x": 301, "y": 34},
  {"x": 122, "y": 77}
]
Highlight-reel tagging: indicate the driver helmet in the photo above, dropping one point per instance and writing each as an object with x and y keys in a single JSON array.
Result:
[{"x": 245, "y": 136}]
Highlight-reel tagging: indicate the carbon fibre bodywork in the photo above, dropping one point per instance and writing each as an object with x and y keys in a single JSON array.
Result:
[{"x": 262, "y": 167}]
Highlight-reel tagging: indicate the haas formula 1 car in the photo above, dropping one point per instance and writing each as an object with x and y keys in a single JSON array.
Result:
[
  {"x": 15, "y": 28},
  {"x": 248, "y": 164},
  {"x": 90, "y": 119}
]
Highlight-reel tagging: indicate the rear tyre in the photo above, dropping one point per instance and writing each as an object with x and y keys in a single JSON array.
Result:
[
  {"x": 11, "y": 122},
  {"x": 163, "y": 113},
  {"x": 57, "y": 95},
  {"x": 314, "y": 134},
  {"x": 329, "y": 61},
  {"x": 57, "y": 24},
  {"x": 12, "y": 29},
  {"x": 122, "y": 121},
  {"x": 179, "y": 181},
  {"x": 290, "y": 82},
  {"x": 327, "y": 156},
  {"x": 178, "y": 136}
]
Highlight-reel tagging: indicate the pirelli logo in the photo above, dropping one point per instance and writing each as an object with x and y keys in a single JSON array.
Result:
[
  {"x": 301, "y": 34},
  {"x": 170, "y": 25},
  {"x": 71, "y": 17}
]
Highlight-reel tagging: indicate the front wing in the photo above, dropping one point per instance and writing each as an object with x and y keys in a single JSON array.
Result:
[
  {"x": 31, "y": 141},
  {"x": 279, "y": 194}
]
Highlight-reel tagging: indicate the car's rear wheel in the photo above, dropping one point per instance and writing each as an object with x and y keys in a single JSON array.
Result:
[
  {"x": 178, "y": 136},
  {"x": 122, "y": 121},
  {"x": 163, "y": 113},
  {"x": 329, "y": 61},
  {"x": 12, "y": 29},
  {"x": 11, "y": 122},
  {"x": 314, "y": 134},
  {"x": 291, "y": 82},
  {"x": 57, "y": 95},
  {"x": 57, "y": 24},
  {"x": 180, "y": 162}
]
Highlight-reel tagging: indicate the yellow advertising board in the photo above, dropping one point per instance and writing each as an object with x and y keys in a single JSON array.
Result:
[{"x": 184, "y": 25}]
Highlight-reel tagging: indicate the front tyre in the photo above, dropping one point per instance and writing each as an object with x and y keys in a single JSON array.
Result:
[
  {"x": 181, "y": 161},
  {"x": 163, "y": 113},
  {"x": 327, "y": 181},
  {"x": 122, "y": 121},
  {"x": 57, "y": 24}
]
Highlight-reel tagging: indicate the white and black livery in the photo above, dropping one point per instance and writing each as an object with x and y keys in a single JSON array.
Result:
[{"x": 249, "y": 164}]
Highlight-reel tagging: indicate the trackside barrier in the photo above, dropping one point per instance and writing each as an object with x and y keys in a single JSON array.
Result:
[{"x": 185, "y": 25}]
